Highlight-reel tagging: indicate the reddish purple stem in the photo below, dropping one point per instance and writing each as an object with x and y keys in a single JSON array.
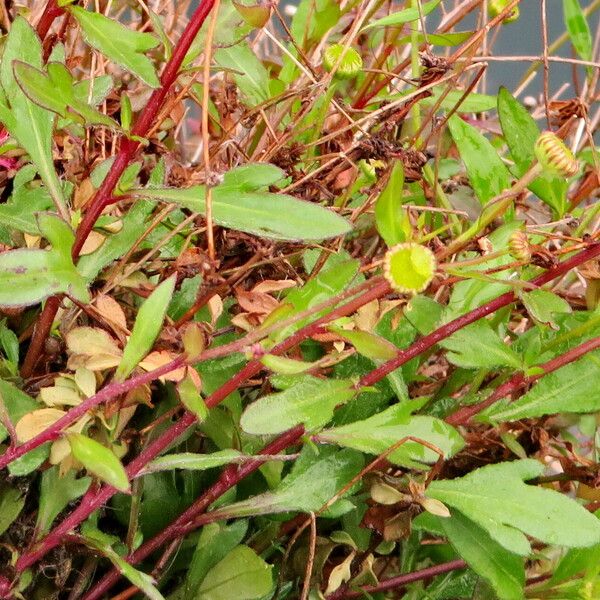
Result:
[
  {"x": 113, "y": 390},
  {"x": 186, "y": 524}
]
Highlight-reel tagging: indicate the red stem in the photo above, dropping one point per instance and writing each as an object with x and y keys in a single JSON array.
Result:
[
  {"x": 127, "y": 150},
  {"x": 51, "y": 12},
  {"x": 95, "y": 497},
  {"x": 400, "y": 580},
  {"x": 230, "y": 477},
  {"x": 463, "y": 415},
  {"x": 114, "y": 390},
  {"x": 185, "y": 523}
]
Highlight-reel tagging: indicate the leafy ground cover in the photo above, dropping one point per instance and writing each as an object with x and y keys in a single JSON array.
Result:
[{"x": 296, "y": 307}]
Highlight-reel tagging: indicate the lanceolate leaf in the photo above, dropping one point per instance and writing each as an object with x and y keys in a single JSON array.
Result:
[
  {"x": 499, "y": 501},
  {"x": 578, "y": 28},
  {"x": 99, "y": 461},
  {"x": 404, "y": 16},
  {"x": 249, "y": 73},
  {"x": 122, "y": 45},
  {"x": 379, "y": 433},
  {"x": 28, "y": 123},
  {"x": 312, "y": 482},
  {"x": 521, "y": 132},
  {"x": 276, "y": 216},
  {"x": 504, "y": 571},
  {"x": 389, "y": 215},
  {"x": 487, "y": 173},
  {"x": 55, "y": 91},
  {"x": 146, "y": 327},
  {"x": 310, "y": 401},
  {"x": 571, "y": 389}
]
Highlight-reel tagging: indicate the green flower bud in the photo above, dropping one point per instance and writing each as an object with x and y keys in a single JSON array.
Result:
[
  {"x": 519, "y": 247},
  {"x": 409, "y": 267},
  {"x": 349, "y": 66},
  {"x": 554, "y": 156},
  {"x": 495, "y": 7}
]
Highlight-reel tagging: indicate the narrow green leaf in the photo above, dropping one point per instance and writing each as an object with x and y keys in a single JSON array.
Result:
[
  {"x": 194, "y": 462},
  {"x": 12, "y": 502},
  {"x": 389, "y": 215},
  {"x": 241, "y": 574},
  {"x": 481, "y": 160},
  {"x": 119, "y": 43},
  {"x": 478, "y": 346},
  {"x": 310, "y": 401},
  {"x": 99, "y": 461},
  {"x": 250, "y": 75},
  {"x": 276, "y": 216},
  {"x": 578, "y": 28},
  {"x": 497, "y": 499},
  {"x": 504, "y": 571},
  {"x": 284, "y": 365},
  {"x": 368, "y": 344},
  {"x": 312, "y": 482},
  {"x": 404, "y": 16},
  {"x": 55, "y": 91},
  {"x": 30, "y": 124},
  {"x": 378, "y": 433},
  {"x": 141, "y": 580},
  {"x": 56, "y": 492},
  {"x": 146, "y": 328},
  {"x": 570, "y": 389},
  {"x": 521, "y": 132}
]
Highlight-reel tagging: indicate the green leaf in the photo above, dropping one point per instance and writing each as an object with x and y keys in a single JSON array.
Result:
[
  {"x": 481, "y": 160},
  {"x": 310, "y": 401},
  {"x": 141, "y": 580},
  {"x": 284, "y": 365},
  {"x": 404, "y": 16},
  {"x": 56, "y": 492},
  {"x": 146, "y": 328},
  {"x": 195, "y": 462},
  {"x": 312, "y": 482},
  {"x": 542, "y": 305},
  {"x": 378, "y": 433},
  {"x": 472, "y": 103},
  {"x": 437, "y": 39},
  {"x": 241, "y": 574},
  {"x": 521, "y": 132},
  {"x": 215, "y": 542},
  {"x": 29, "y": 276},
  {"x": 570, "y": 389},
  {"x": 578, "y": 28},
  {"x": 99, "y": 461},
  {"x": 29, "y": 462},
  {"x": 389, "y": 214},
  {"x": 496, "y": 498},
  {"x": 55, "y": 91},
  {"x": 117, "y": 244},
  {"x": 12, "y": 502},
  {"x": 368, "y": 344},
  {"x": 503, "y": 570},
  {"x": 250, "y": 75},
  {"x": 253, "y": 176},
  {"x": 30, "y": 124},
  {"x": 276, "y": 216},
  {"x": 119, "y": 43},
  {"x": 15, "y": 403},
  {"x": 478, "y": 346}
]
